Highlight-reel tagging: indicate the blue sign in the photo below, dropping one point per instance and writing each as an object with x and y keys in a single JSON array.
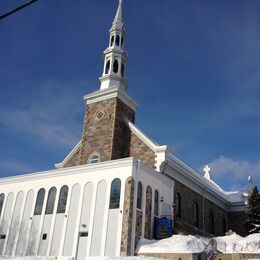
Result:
[{"x": 163, "y": 228}]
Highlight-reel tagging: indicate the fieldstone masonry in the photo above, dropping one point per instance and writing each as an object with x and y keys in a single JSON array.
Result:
[{"x": 126, "y": 237}]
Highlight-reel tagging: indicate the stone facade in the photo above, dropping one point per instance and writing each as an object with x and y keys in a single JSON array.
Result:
[
  {"x": 126, "y": 238},
  {"x": 185, "y": 223},
  {"x": 74, "y": 161},
  {"x": 236, "y": 222},
  {"x": 148, "y": 213},
  {"x": 108, "y": 136},
  {"x": 140, "y": 151},
  {"x": 138, "y": 226}
]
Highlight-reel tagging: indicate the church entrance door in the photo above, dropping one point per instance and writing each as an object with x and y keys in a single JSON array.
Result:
[{"x": 82, "y": 246}]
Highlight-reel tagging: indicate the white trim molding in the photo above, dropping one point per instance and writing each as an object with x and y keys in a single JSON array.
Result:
[{"x": 108, "y": 93}]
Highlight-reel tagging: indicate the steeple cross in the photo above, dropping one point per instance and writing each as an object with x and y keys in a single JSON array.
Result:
[{"x": 206, "y": 169}]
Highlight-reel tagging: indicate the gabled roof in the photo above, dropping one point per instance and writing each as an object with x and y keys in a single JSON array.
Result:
[{"x": 69, "y": 156}]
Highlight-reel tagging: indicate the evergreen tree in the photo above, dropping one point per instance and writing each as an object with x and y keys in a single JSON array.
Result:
[{"x": 253, "y": 212}]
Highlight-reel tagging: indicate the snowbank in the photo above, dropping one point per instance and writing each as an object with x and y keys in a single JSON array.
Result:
[
  {"x": 195, "y": 244},
  {"x": 174, "y": 244},
  {"x": 237, "y": 244}
]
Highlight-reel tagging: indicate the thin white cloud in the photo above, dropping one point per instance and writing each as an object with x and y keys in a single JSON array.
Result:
[
  {"x": 53, "y": 119},
  {"x": 224, "y": 167},
  {"x": 15, "y": 167}
]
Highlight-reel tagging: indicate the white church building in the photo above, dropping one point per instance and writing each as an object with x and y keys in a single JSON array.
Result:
[{"x": 113, "y": 186}]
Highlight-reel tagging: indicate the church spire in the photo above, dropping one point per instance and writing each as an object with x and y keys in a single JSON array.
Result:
[{"x": 115, "y": 57}]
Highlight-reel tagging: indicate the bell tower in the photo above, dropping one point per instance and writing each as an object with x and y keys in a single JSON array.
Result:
[
  {"x": 105, "y": 135},
  {"x": 115, "y": 57}
]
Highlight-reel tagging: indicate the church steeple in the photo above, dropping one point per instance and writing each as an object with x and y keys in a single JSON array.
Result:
[{"x": 115, "y": 57}]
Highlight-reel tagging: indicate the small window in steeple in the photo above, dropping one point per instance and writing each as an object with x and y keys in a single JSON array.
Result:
[
  {"x": 115, "y": 66},
  {"x": 123, "y": 69},
  {"x": 117, "y": 40},
  {"x": 107, "y": 67},
  {"x": 122, "y": 42},
  {"x": 112, "y": 41}
]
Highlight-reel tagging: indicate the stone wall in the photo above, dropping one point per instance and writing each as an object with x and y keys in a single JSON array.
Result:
[
  {"x": 236, "y": 222},
  {"x": 138, "y": 226},
  {"x": 185, "y": 223},
  {"x": 74, "y": 161},
  {"x": 148, "y": 213},
  {"x": 141, "y": 151},
  {"x": 108, "y": 136},
  {"x": 126, "y": 238}
]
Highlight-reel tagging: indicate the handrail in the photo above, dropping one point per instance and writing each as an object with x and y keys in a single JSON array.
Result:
[{"x": 209, "y": 250}]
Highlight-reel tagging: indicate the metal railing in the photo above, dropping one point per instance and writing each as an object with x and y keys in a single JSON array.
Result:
[{"x": 209, "y": 250}]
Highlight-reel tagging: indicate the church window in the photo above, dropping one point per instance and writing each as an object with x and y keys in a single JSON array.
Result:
[
  {"x": 95, "y": 159},
  {"x": 178, "y": 205},
  {"x": 2, "y": 198},
  {"x": 211, "y": 222},
  {"x": 196, "y": 214},
  {"x": 115, "y": 66},
  {"x": 139, "y": 195},
  {"x": 156, "y": 203},
  {"x": 117, "y": 40},
  {"x": 39, "y": 202},
  {"x": 115, "y": 194},
  {"x": 122, "y": 42},
  {"x": 107, "y": 67},
  {"x": 112, "y": 40},
  {"x": 63, "y": 199},
  {"x": 99, "y": 115},
  {"x": 123, "y": 69},
  {"x": 51, "y": 201}
]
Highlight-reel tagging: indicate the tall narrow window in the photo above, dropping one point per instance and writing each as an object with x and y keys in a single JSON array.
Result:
[
  {"x": 63, "y": 199},
  {"x": 51, "y": 201},
  {"x": 156, "y": 203},
  {"x": 117, "y": 40},
  {"x": 123, "y": 69},
  {"x": 115, "y": 66},
  {"x": 178, "y": 205},
  {"x": 112, "y": 41},
  {"x": 196, "y": 214},
  {"x": 2, "y": 198},
  {"x": 107, "y": 67},
  {"x": 115, "y": 194},
  {"x": 211, "y": 222},
  {"x": 122, "y": 42},
  {"x": 39, "y": 202},
  {"x": 139, "y": 195},
  {"x": 224, "y": 226},
  {"x": 94, "y": 158}
]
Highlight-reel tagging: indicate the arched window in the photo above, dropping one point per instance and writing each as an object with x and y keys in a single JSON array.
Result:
[
  {"x": 2, "y": 199},
  {"x": 112, "y": 40},
  {"x": 115, "y": 66},
  {"x": 107, "y": 67},
  {"x": 39, "y": 202},
  {"x": 122, "y": 42},
  {"x": 95, "y": 158},
  {"x": 156, "y": 203},
  {"x": 196, "y": 214},
  {"x": 117, "y": 40},
  {"x": 178, "y": 205},
  {"x": 211, "y": 222},
  {"x": 115, "y": 194},
  {"x": 123, "y": 69},
  {"x": 63, "y": 199},
  {"x": 139, "y": 195},
  {"x": 51, "y": 201}
]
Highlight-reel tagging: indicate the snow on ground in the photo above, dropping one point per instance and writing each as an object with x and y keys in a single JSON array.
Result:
[
  {"x": 174, "y": 244},
  {"x": 195, "y": 244},
  {"x": 90, "y": 258},
  {"x": 237, "y": 244}
]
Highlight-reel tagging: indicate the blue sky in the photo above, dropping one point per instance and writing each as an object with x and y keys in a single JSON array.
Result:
[{"x": 194, "y": 68}]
